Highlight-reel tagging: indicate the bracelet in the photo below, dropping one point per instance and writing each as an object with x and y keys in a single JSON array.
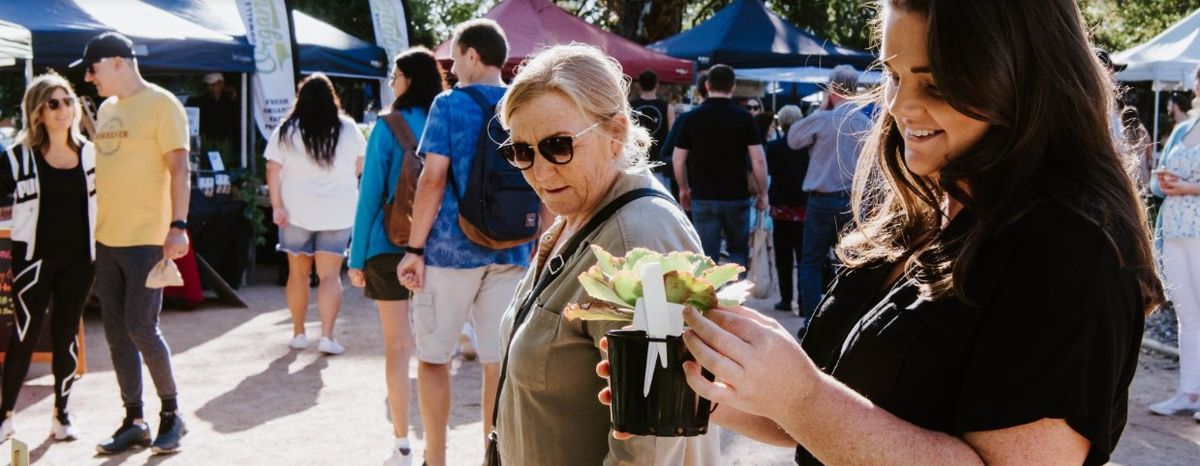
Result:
[{"x": 412, "y": 250}]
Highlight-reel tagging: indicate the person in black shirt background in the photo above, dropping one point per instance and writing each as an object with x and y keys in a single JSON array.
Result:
[
  {"x": 652, "y": 113},
  {"x": 787, "y": 168},
  {"x": 51, "y": 170},
  {"x": 219, "y": 116},
  {"x": 718, "y": 144},
  {"x": 998, "y": 266}
]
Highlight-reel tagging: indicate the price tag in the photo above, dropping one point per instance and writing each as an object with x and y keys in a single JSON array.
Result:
[{"x": 214, "y": 161}]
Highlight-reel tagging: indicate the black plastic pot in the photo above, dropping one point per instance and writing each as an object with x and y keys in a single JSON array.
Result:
[{"x": 672, "y": 408}]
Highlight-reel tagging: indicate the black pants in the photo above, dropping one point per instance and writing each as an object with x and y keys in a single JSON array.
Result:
[
  {"x": 34, "y": 284},
  {"x": 788, "y": 236}
]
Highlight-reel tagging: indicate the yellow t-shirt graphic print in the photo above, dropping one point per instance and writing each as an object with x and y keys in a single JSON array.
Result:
[{"x": 133, "y": 183}]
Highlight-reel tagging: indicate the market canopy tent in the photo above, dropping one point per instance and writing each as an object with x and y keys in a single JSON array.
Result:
[
  {"x": 323, "y": 47},
  {"x": 531, "y": 25},
  {"x": 1169, "y": 59},
  {"x": 61, "y": 28},
  {"x": 745, "y": 34},
  {"x": 15, "y": 43}
]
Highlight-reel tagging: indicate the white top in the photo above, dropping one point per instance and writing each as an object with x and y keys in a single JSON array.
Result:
[
  {"x": 1180, "y": 215},
  {"x": 319, "y": 198}
]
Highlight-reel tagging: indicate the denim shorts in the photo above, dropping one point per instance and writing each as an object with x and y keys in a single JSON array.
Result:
[{"x": 296, "y": 240}]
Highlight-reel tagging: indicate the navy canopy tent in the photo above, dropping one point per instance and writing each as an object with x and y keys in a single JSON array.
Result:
[
  {"x": 323, "y": 47},
  {"x": 745, "y": 34},
  {"x": 61, "y": 28}
]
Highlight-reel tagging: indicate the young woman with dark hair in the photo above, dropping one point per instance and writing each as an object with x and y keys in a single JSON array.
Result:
[
  {"x": 416, "y": 80},
  {"x": 998, "y": 269},
  {"x": 313, "y": 160}
]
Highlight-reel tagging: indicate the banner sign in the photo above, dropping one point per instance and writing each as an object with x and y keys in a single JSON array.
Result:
[
  {"x": 391, "y": 33},
  {"x": 274, "y": 84}
]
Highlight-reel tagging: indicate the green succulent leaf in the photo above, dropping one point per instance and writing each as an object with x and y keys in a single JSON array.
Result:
[
  {"x": 607, "y": 263},
  {"x": 677, "y": 262},
  {"x": 597, "y": 310},
  {"x": 599, "y": 288},
  {"x": 628, "y": 286},
  {"x": 637, "y": 255},
  {"x": 719, "y": 276}
]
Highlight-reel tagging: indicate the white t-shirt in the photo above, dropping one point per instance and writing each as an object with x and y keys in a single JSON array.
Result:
[{"x": 317, "y": 198}]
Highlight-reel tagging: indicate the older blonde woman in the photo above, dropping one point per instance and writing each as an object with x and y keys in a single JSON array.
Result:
[
  {"x": 573, "y": 137},
  {"x": 51, "y": 169}
]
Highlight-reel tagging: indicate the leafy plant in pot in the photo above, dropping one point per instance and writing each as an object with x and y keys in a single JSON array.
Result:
[{"x": 650, "y": 290}]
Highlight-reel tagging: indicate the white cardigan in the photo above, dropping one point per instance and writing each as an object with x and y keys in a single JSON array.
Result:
[{"x": 26, "y": 199}]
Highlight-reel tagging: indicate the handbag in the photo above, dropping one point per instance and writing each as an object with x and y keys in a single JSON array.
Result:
[
  {"x": 397, "y": 214},
  {"x": 554, "y": 267},
  {"x": 762, "y": 258}
]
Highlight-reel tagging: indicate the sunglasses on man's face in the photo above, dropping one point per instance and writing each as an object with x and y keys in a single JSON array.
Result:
[
  {"x": 54, "y": 104},
  {"x": 558, "y": 150}
]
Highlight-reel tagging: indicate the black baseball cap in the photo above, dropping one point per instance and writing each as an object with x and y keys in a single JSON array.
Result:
[
  {"x": 1107, "y": 61},
  {"x": 105, "y": 45}
]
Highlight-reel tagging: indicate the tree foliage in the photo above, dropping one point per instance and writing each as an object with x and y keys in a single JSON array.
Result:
[{"x": 1120, "y": 24}]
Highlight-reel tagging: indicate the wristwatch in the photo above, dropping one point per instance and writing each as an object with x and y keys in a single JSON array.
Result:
[
  {"x": 180, "y": 224},
  {"x": 412, "y": 250}
]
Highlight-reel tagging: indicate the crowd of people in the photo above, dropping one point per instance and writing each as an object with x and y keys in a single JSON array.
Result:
[{"x": 995, "y": 260}]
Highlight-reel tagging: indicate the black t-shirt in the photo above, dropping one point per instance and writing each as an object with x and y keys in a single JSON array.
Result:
[
  {"x": 62, "y": 226},
  {"x": 652, "y": 115},
  {"x": 219, "y": 119},
  {"x": 787, "y": 168},
  {"x": 1055, "y": 335},
  {"x": 716, "y": 136}
]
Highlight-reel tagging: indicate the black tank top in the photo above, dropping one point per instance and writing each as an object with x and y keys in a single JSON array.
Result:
[{"x": 62, "y": 227}]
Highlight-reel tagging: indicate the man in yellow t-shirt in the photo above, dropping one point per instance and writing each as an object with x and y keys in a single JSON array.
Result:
[{"x": 142, "y": 188}]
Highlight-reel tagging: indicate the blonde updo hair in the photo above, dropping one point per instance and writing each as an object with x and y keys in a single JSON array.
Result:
[{"x": 595, "y": 83}]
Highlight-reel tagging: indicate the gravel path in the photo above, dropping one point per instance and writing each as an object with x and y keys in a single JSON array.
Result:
[{"x": 250, "y": 401}]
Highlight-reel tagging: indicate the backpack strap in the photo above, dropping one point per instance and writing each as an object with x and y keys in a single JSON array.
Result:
[
  {"x": 557, "y": 263},
  {"x": 485, "y": 108},
  {"x": 404, "y": 138}
]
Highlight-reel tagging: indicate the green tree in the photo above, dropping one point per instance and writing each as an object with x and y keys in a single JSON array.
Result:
[{"x": 1120, "y": 24}]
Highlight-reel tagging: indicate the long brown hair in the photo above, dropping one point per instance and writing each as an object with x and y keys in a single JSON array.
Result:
[
  {"x": 317, "y": 115},
  {"x": 33, "y": 132},
  {"x": 1024, "y": 67}
]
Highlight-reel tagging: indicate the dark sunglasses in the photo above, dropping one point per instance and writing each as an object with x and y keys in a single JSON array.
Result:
[
  {"x": 63, "y": 102},
  {"x": 754, "y": 107},
  {"x": 558, "y": 150}
]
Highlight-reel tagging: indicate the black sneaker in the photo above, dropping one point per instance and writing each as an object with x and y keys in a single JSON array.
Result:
[
  {"x": 171, "y": 428},
  {"x": 127, "y": 436},
  {"x": 783, "y": 306}
]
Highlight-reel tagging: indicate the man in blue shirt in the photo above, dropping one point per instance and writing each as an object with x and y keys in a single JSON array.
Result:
[{"x": 454, "y": 278}]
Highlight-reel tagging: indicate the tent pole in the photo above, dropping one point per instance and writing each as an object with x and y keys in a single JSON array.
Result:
[
  {"x": 774, "y": 95},
  {"x": 245, "y": 159},
  {"x": 28, "y": 71},
  {"x": 1157, "y": 96}
]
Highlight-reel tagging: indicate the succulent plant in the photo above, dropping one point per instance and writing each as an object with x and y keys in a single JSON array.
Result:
[{"x": 690, "y": 279}]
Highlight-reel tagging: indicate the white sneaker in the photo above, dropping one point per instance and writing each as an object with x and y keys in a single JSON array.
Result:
[
  {"x": 299, "y": 342},
  {"x": 7, "y": 429},
  {"x": 398, "y": 459},
  {"x": 1176, "y": 404},
  {"x": 62, "y": 432},
  {"x": 330, "y": 346}
]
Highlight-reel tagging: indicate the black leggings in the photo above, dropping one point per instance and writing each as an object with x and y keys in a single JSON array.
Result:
[
  {"x": 34, "y": 283},
  {"x": 789, "y": 237}
]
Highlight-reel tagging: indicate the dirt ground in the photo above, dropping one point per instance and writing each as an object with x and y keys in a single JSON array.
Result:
[{"x": 249, "y": 400}]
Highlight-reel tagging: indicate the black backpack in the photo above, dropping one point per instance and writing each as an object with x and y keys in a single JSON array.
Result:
[{"x": 499, "y": 209}]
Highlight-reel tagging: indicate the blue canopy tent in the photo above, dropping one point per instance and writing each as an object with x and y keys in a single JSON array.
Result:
[
  {"x": 323, "y": 48},
  {"x": 745, "y": 34},
  {"x": 61, "y": 28}
]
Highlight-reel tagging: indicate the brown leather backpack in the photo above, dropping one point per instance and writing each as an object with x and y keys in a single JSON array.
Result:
[{"x": 397, "y": 214}]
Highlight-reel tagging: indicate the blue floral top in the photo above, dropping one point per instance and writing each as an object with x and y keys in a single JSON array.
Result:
[{"x": 452, "y": 130}]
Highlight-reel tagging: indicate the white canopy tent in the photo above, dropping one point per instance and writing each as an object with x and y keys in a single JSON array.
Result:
[
  {"x": 1168, "y": 60},
  {"x": 803, "y": 74}
]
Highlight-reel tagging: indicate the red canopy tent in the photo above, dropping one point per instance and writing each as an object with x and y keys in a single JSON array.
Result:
[{"x": 533, "y": 24}]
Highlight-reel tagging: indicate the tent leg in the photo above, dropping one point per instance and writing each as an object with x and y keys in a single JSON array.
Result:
[
  {"x": 245, "y": 155},
  {"x": 1157, "y": 96}
]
